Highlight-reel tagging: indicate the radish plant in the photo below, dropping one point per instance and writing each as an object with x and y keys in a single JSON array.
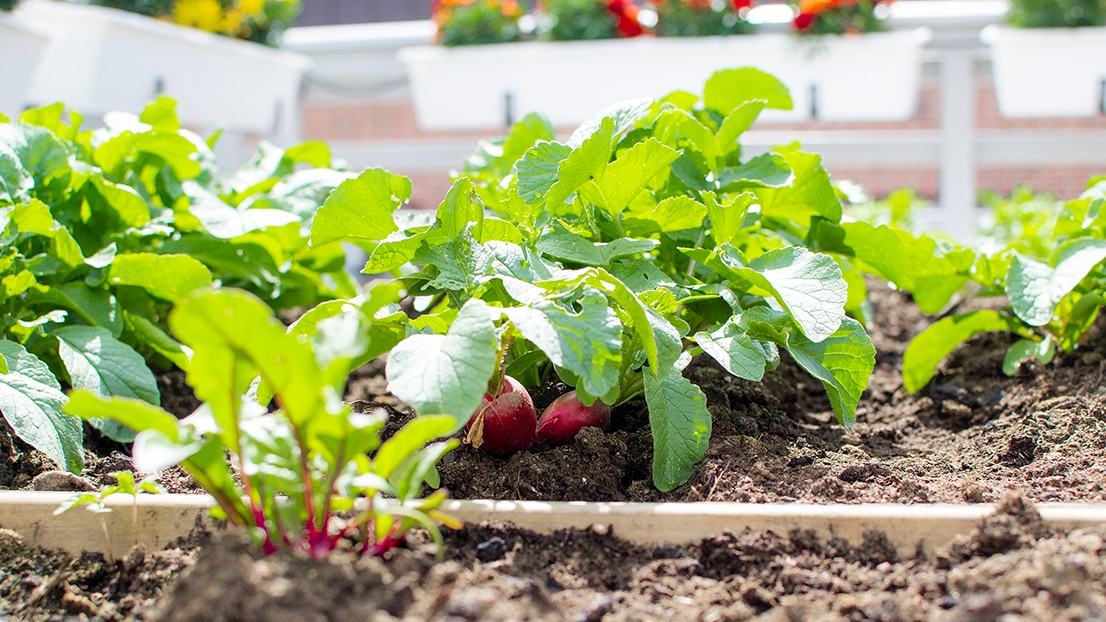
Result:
[
  {"x": 610, "y": 260},
  {"x": 1054, "y": 283},
  {"x": 103, "y": 230},
  {"x": 304, "y": 472}
]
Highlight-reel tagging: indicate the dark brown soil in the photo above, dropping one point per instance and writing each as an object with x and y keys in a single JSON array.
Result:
[
  {"x": 1010, "y": 568},
  {"x": 973, "y": 436}
]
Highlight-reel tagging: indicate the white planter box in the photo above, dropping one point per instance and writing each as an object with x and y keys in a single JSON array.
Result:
[
  {"x": 872, "y": 77},
  {"x": 104, "y": 59},
  {"x": 1048, "y": 72},
  {"x": 22, "y": 45}
]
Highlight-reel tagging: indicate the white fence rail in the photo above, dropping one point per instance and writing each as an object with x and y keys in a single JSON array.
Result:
[{"x": 359, "y": 62}]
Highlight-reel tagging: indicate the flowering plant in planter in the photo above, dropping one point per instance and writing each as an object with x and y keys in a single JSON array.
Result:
[
  {"x": 470, "y": 22},
  {"x": 1056, "y": 13},
  {"x": 824, "y": 17},
  {"x": 261, "y": 21},
  {"x": 577, "y": 20},
  {"x": 699, "y": 18}
]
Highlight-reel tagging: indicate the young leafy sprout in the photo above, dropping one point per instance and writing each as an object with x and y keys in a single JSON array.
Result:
[
  {"x": 610, "y": 260},
  {"x": 272, "y": 402},
  {"x": 96, "y": 501}
]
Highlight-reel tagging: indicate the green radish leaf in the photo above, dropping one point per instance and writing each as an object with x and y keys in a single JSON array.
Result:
[
  {"x": 628, "y": 175},
  {"x": 730, "y": 89},
  {"x": 226, "y": 222},
  {"x": 843, "y": 362},
  {"x": 459, "y": 262},
  {"x": 361, "y": 208},
  {"x": 154, "y": 337},
  {"x": 913, "y": 263},
  {"x": 169, "y": 277},
  {"x": 128, "y": 205},
  {"x": 623, "y": 116},
  {"x": 810, "y": 194},
  {"x": 588, "y": 343},
  {"x": 677, "y": 128},
  {"x": 808, "y": 285},
  {"x": 565, "y": 245},
  {"x": 932, "y": 345},
  {"x": 1034, "y": 289},
  {"x": 584, "y": 163},
  {"x": 395, "y": 252},
  {"x": 727, "y": 216},
  {"x": 671, "y": 214},
  {"x": 681, "y": 426},
  {"x": 767, "y": 170},
  {"x": 1024, "y": 350},
  {"x": 446, "y": 374},
  {"x": 734, "y": 350},
  {"x": 737, "y": 122},
  {"x": 537, "y": 170},
  {"x": 98, "y": 362},
  {"x": 460, "y": 209},
  {"x": 16, "y": 182},
  {"x": 532, "y": 129},
  {"x": 31, "y": 402}
]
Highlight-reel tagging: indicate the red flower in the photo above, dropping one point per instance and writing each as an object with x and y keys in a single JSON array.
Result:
[
  {"x": 742, "y": 4},
  {"x": 803, "y": 21},
  {"x": 626, "y": 12}
]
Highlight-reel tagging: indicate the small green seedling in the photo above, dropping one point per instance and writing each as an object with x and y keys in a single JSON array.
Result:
[{"x": 96, "y": 501}]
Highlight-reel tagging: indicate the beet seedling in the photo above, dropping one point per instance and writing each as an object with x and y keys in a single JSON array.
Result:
[
  {"x": 307, "y": 472},
  {"x": 95, "y": 501}
]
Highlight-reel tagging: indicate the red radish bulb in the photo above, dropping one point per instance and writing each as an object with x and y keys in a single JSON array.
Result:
[
  {"x": 504, "y": 425},
  {"x": 562, "y": 419}
]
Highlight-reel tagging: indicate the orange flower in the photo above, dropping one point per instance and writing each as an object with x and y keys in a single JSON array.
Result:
[{"x": 814, "y": 7}]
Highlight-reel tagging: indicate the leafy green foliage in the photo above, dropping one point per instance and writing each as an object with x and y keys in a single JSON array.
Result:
[
  {"x": 103, "y": 231},
  {"x": 612, "y": 259},
  {"x": 1052, "y": 280},
  {"x": 577, "y": 20},
  {"x": 693, "y": 18},
  {"x": 1056, "y": 13},
  {"x": 272, "y": 403}
]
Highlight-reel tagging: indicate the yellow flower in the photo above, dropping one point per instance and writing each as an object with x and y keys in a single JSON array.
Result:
[
  {"x": 252, "y": 7},
  {"x": 203, "y": 14},
  {"x": 232, "y": 23}
]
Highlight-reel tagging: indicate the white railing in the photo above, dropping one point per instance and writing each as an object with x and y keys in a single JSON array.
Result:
[{"x": 359, "y": 62}]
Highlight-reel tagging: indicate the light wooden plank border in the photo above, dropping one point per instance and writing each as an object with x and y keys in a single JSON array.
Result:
[{"x": 910, "y": 528}]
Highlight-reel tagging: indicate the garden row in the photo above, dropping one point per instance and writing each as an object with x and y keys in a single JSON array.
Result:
[{"x": 606, "y": 263}]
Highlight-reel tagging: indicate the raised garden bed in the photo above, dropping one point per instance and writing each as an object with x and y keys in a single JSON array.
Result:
[{"x": 978, "y": 438}]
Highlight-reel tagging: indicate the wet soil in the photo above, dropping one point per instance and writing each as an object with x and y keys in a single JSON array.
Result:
[{"x": 974, "y": 435}]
